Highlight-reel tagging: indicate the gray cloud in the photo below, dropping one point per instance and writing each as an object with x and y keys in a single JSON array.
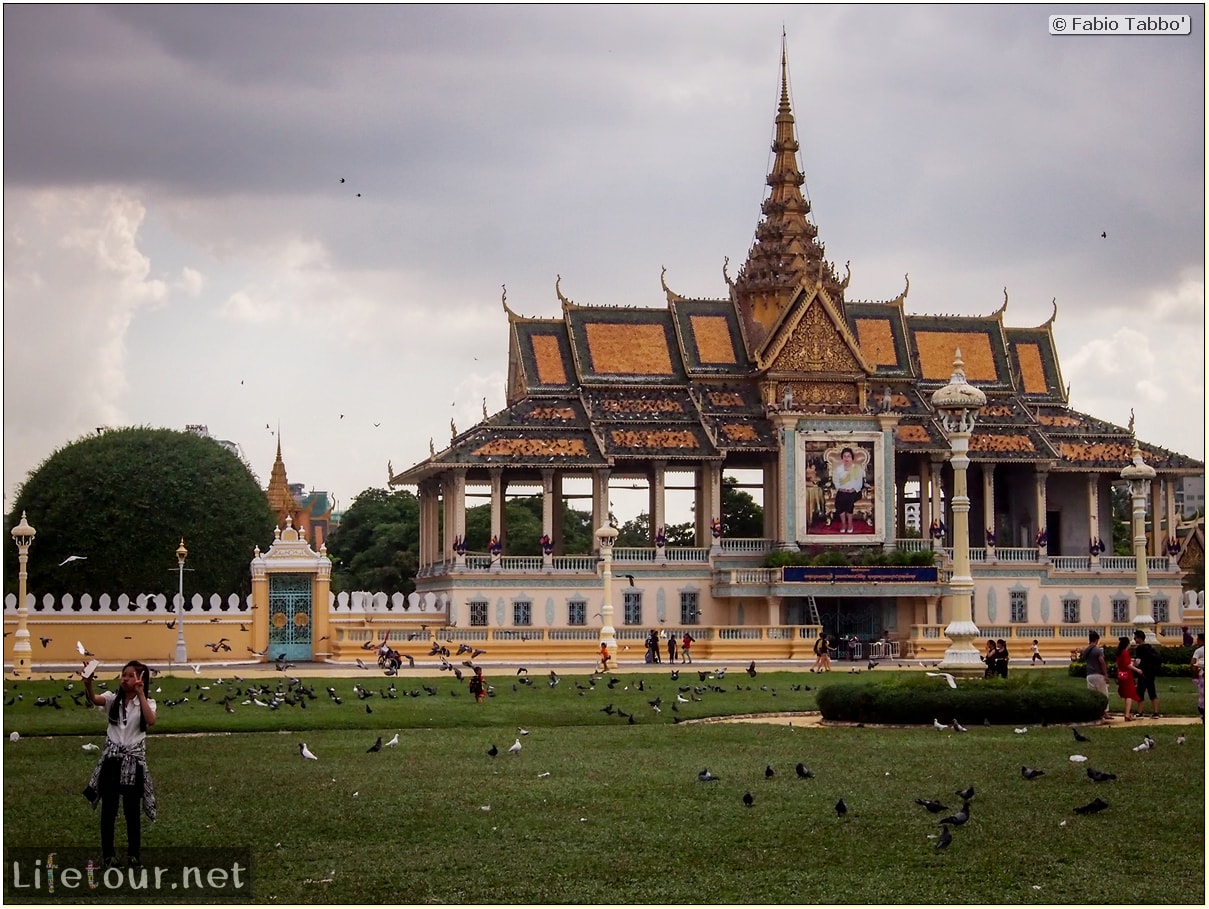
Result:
[{"x": 508, "y": 144}]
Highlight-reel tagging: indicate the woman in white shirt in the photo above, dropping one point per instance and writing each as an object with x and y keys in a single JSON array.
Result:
[
  {"x": 848, "y": 477},
  {"x": 122, "y": 769}
]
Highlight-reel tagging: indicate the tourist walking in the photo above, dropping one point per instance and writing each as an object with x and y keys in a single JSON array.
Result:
[
  {"x": 1150, "y": 663},
  {"x": 1097, "y": 667},
  {"x": 1126, "y": 671},
  {"x": 1198, "y": 674},
  {"x": 686, "y": 653}
]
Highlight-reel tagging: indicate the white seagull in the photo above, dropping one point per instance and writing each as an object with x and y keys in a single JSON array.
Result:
[
  {"x": 943, "y": 675},
  {"x": 72, "y": 558},
  {"x": 306, "y": 752},
  {"x": 516, "y": 747}
]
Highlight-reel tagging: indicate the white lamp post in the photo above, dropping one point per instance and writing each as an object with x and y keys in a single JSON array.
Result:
[
  {"x": 181, "y": 553},
  {"x": 606, "y": 536},
  {"x": 958, "y": 404},
  {"x": 1139, "y": 475},
  {"x": 23, "y": 654}
]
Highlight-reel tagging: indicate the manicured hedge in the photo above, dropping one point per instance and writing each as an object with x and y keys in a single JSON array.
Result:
[
  {"x": 1017, "y": 701},
  {"x": 841, "y": 557}
]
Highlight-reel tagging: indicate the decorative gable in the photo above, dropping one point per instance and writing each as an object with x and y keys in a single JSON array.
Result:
[{"x": 814, "y": 339}]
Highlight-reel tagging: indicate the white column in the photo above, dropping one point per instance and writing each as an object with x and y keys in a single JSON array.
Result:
[
  {"x": 1039, "y": 480},
  {"x": 658, "y": 507},
  {"x": 961, "y": 631},
  {"x": 1093, "y": 514},
  {"x": 988, "y": 500}
]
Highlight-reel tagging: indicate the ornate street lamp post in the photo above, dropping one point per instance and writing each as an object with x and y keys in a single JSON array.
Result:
[
  {"x": 23, "y": 654},
  {"x": 1138, "y": 475},
  {"x": 181, "y": 553},
  {"x": 958, "y": 404},
  {"x": 606, "y": 536}
]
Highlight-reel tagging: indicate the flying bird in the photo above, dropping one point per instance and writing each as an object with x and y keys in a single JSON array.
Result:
[
  {"x": 45, "y": 641},
  {"x": 630, "y": 577},
  {"x": 375, "y": 747},
  {"x": 1030, "y": 773},
  {"x": 1079, "y": 736},
  {"x": 943, "y": 675},
  {"x": 1092, "y": 807},
  {"x": 306, "y": 752},
  {"x": 72, "y": 558},
  {"x": 751, "y": 669},
  {"x": 946, "y": 837},
  {"x": 1104, "y": 235},
  {"x": 748, "y": 800}
]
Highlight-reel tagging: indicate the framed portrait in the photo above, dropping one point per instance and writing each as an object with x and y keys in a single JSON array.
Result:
[{"x": 839, "y": 488}]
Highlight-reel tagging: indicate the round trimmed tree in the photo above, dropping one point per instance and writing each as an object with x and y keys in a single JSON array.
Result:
[{"x": 123, "y": 499}]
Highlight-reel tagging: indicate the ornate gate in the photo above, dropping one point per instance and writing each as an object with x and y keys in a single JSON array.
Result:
[{"x": 290, "y": 616}]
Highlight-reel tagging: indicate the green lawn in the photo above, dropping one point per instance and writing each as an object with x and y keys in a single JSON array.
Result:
[{"x": 621, "y": 817}]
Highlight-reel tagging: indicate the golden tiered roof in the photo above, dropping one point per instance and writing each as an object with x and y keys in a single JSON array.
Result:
[{"x": 700, "y": 379}]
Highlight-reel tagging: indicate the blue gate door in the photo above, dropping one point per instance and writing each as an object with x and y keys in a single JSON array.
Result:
[{"x": 290, "y": 617}]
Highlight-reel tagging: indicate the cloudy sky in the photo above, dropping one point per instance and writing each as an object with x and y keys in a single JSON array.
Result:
[{"x": 302, "y": 216}]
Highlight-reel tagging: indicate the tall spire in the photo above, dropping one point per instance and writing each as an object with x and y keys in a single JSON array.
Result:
[
  {"x": 281, "y": 501},
  {"x": 786, "y": 251}
]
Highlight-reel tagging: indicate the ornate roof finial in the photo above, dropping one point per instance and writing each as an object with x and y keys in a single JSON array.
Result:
[
  {"x": 1053, "y": 315},
  {"x": 671, "y": 295},
  {"x": 725, "y": 276},
  {"x": 453, "y": 429},
  {"x": 567, "y": 304},
  {"x": 1002, "y": 309},
  {"x": 484, "y": 408},
  {"x": 432, "y": 449},
  {"x": 1131, "y": 432}
]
